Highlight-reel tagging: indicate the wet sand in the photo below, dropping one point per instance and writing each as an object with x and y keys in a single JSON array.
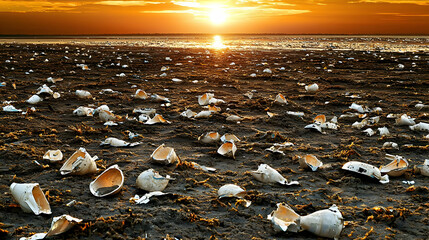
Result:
[{"x": 371, "y": 210}]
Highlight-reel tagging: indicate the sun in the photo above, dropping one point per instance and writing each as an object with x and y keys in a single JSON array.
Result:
[{"x": 217, "y": 15}]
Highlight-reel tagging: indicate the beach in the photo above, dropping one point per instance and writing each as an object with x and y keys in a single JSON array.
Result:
[{"x": 386, "y": 82}]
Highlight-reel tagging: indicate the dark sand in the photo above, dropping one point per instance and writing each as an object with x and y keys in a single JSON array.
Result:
[{"x": 371, "y": 210}]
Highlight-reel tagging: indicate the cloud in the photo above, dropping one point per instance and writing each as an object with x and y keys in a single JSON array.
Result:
[{"x": 416, "y": 2}]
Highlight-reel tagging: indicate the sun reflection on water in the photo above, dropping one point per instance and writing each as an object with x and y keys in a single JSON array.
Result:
[{"x": 218, "y": 42}]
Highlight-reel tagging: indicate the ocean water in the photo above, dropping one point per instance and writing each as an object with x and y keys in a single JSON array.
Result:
[{"x": 243, "y": 42}]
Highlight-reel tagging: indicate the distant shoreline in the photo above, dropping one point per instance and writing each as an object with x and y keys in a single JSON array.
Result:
[{"x": 110, "y": 36}]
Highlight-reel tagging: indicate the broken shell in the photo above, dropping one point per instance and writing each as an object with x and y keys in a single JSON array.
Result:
[
  {"x": 228, "y": 137},
  {"x": 209, "y": 137},
  {"x": 83, "y": 94},
  {"x": 234, "y": 118},
  {"x": 159, "y": 98},
  {"x": 323, "y": 223},
  {"x": 62, "y": 224},
  {"x": 165, "y": 155},
  {"x": 107, "y": 116},
  {"x": 358, "y": 108},
  {"x": 267, "y": 174},
  {"x": 205, "y": 98},
  {"x": 214, "y": 108},
  {"x": 366, "y": 169},
  {"x": 151, "y": 181},
  {"x": 56, "y": 95},
  {"x": 230, "y": 190},
  {"x": 312, "y": 88},
  {"x": 423, "y": 169},
  {"x": 314, "y": 126},
  {"x": 227, "y": 149},
  {"x": 114, "y": 142},
  {"x": 280, "y": 99},
  {"x": 140, "y": 94},
  {"x": 204, "y": 114},
  {"x": 420, "y": 127},
  {"x": 108, "y": 182},
  {"x": 369, "y": 132},
  {"x": 83, "y": 111},
  {"x": 391, "y": 145},
  {"x": 79, "y": 163},
  {"x": 30, "y": 197},
  {"x": 284, "y": 218},
  {"x": 310, "y": 161},
  {"x": 320, "y": 119},
  {"x": 34, "y": 99},
  {"x": 188, "y": 113},
  {"x": 405, "y": 120},
  {"x": 44, "y": 90},
  {"x": 383, "y": 131},
  {"x": 157, "y": 119},
  {"x": 360, "y": 125},
  {"x": 396, "y": 167},
  {"x": 53, "y": 155}
]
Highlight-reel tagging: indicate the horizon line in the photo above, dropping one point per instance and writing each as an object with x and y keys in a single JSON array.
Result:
[{"x": 205, "y": 34}]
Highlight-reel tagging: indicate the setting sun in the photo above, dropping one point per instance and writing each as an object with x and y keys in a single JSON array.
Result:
[{"x": 217, "y": 15}]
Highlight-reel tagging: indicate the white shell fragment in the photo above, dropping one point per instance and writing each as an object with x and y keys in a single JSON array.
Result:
[
  {"x": 280, "y": 147},
  {"x": 232, "y": 190},
  {"x": 157, "y": 119},
  {"x": 284, "y": 218},
  {"x": 267, "y": 174},
  {"x": 314, "y": 126},
  {"x": 79, "y": 163},
  {"x": 44, "y": 89},
  {"x": 229, "y": 137},
  {"x": 390, "y": 145},
  {"x": 59, "y": 225},
  {"x": 10, "y": 108},
  {"x": 159, "y": 98},
  {"x": 151, "y": 181},
  {"x": 83, "y": 94},
  {"x": 420, "y": 106},
  {"x": 188, "y": 113},
  {"x": 53, "y": 155},
  {"x": 203, "y": 114},
  {"x": 383, "y": 131},
  {"x": 164, "y": 155},
  {"x": 369, "y": 132},
  {"x": 108, "y": 182},
  {"x": 310, "y": 161},
  {"x": 234, "y": 118},
  {"x": 358, "y": 108},
  {"x": 312, "y": 88},
  {"x": 396, "y": 167},
  {"x": 227, "y": 149},
  {"x": 34, "y": 99},
  {"x": 405, "y": 120},
  {"x": 83, "y": 111},
  {"x": 30, "y": 197},
  {"x": 420, "y": 127},
  {"x": 424, "y": 168},
  {"x": 281, "y": 99},
  {"x": 209, "y": 137},
  {"x": 114, "y": 142},
  {"x": 146, "y": 198},
  {"x": 324, "y": 223},
  {"x": 366, "y": 169}
]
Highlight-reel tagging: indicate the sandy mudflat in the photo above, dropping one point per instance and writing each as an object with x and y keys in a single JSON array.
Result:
[{"x": 371, "y": 210}]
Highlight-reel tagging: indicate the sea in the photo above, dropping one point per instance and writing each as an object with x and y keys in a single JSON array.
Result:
[{"x": 386, "y": 43}]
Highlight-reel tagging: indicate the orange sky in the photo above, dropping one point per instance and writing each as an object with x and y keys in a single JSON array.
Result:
[{"x": 195, "y": 16}]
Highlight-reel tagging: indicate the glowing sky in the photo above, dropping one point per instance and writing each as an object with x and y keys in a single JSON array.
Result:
[{"x": 195, "y": 16}]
